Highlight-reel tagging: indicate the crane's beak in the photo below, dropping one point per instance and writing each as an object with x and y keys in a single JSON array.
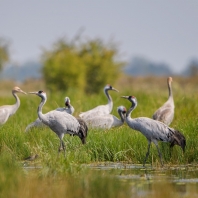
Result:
[
  {"x": 126, "y": 97},
  {"x": 33, "y": 93},
  {"x": 23, "y": 92},
  {"x": 115, "y": 89}
]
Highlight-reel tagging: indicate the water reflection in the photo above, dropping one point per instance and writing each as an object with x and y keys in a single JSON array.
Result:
[{"x": 177, "y": 180}]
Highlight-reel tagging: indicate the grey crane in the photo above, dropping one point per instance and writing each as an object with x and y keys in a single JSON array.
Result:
[
  {"x": 60, "y": 122},
  {"x": 165, "y": 113},
  {"x": 8, "y": 110},
  {"x": 68, "y": 109},
  {"x": 101, "y": 109},
  {"x": 153, "y": 130},
  {"x": 107, "y": 121}
]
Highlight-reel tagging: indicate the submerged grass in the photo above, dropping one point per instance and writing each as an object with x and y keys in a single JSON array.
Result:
[{"x": 68, "y": 175}]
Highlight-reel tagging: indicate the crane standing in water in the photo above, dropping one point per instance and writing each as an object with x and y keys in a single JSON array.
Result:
[
  {"x": 153, "y": 130},
  {"x": 8, "y": 110},
  {"x": 60, "y": 122},
  {"x": 165, "y": 113}
]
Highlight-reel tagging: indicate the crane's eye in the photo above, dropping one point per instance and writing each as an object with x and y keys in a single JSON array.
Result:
[{"x": 40, "y": 92}]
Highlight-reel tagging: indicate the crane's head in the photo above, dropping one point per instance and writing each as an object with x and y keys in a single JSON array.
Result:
[
  {"x": 132, "y": 99},
  {"x": 122, "y": 109},
  {"x": 109, "y": 87},
  {"x": 169, "y": 80},
  {"x": 18, "y": 90},
  {"x": 40, "y": 93},
  {"x": 67, "y": 101}
]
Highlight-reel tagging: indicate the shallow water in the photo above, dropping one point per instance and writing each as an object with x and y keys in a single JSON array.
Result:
[
  {"x": 179, "y": 180},
  {"x": 170, "y": 181}
]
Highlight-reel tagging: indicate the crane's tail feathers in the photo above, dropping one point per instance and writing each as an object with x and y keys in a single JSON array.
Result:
[
  {"x": 178, "y": 139},
  {"x": 83, "y": 130}
]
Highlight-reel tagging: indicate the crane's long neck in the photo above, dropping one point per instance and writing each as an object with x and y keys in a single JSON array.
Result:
[
  {"x": 128, "y": 114},
  {"x": 17, "y": 104},
  {"x": 122, "y": 117},
  {"x": 110, "y": 101},
  {"x": 170, "y": 90},
  {"x": 170, "y": 97},
  {"x": 40, "y": 107},
  {"x": 71, "y": 108}
]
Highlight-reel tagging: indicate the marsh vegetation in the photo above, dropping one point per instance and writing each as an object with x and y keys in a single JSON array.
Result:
[{"x": 110, "y": 164}]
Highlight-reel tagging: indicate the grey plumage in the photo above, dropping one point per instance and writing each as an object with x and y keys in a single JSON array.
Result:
[
  {"x": 165, "y": 113},
  {"x": 153, "y": 130},
  {"x": 101, "y": 109},
  {"x": 107, "y": 121},
  {"x": 83, "y": 130},
  {"x": 67, "y": 109},
  {"x": 60, "y": 122},
  {"x": 8, "y": 110}
]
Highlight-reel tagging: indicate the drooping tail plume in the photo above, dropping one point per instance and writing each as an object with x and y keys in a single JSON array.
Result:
[
  {"x": 83, "y": 130},
  {"x": 178, "y": 139}
]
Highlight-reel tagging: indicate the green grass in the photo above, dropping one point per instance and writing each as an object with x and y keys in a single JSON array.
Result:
[{"x": 115, "y": 145}]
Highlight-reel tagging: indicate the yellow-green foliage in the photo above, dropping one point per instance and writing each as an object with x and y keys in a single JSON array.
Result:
[
  {"x": 87, "y": 66},
  {"x": 63, "y": 68}
]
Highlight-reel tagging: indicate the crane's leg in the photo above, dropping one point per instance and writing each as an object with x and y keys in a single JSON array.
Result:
[
  {"x": 62, "y": 145},
  {"x": 160, "y": 155},
  {"x": 148, "y": 151}
]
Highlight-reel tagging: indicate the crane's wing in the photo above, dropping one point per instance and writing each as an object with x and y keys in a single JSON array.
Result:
[
  {"x": 104, "y": 122},
  {"x": 67, "y": 110},
  {"x": 155, "y": 131},
  {"x": 152, "y": 129},
  {"x": 97, "y": 111},
  {"x": 36, "y": 123},
  {"x": 61, "y": 122},
  {"x": 164, "y": 115},
  {"x": 4, "y": 115}
]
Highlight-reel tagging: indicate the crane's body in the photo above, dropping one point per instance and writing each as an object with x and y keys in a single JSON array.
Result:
[
  {"x": 60, "y": 122},
  {"x": 107, "y": 121},
  {"x": 165, "y": 113},
  {"x": 101, "y": 109},
  {"x": 8, "y": 110},
  {"x": 67, "y": 109},
  {"x": 153, "y": 130}
]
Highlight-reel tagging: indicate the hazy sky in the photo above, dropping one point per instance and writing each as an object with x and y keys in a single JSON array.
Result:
[{"x": 160, "y": 30}]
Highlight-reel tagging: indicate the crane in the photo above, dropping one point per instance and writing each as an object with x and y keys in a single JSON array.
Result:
[
  {"x": 153, "y": 130},
  {"x": 101, "y": 109},
  {"x": 165, "y": 113},
  {"x": 8, "y": 110},
  {"x": 60, "y": 122},
  {"x": 68, "y": 109},
  {"x": 107, "y": 121}
]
